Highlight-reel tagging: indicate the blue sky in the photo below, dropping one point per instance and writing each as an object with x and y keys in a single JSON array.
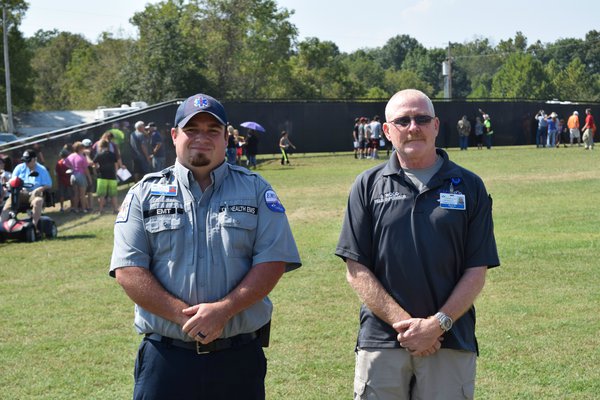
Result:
[{"x": 355, "y": 24}]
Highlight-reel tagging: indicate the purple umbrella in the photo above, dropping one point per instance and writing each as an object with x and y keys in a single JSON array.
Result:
[{"x": 253, "y": 125}]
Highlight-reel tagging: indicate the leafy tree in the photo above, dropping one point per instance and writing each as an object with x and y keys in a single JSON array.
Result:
[
  {"x": 19, "y": 57},
  {"x": 516, "y": 45},
  {"x": 319, "y": 72},
  {"x": 50, "y": 64},
  {"x": 95, "y": 73},
  {"x": 395, "y": 50},
  {"x": 521, "y": 77},
  {"x": 246, "y": 45},
  {"x": 364, "y": 71},
  {"x": 574, "y": 83},
  {"x": 591, "y": 50},
  {"x": 428, "y": 66},
  {"x": 166, "y": 61},
  {"x": 20, "y": 71},
  {"x": 405, "y": 79}
]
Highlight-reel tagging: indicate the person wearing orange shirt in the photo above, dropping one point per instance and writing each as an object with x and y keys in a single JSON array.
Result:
[{"x": 573, "y": 125}]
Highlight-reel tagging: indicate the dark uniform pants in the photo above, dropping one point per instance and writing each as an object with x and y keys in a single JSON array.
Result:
[{"x": 164, "y": 371}]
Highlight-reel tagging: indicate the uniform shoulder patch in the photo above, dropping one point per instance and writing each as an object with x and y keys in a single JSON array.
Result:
[
  {"x": 273, "y": 202},
  {"x": 124, "y": 210}
]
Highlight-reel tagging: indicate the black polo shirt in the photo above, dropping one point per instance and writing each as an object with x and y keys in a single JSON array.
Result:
[{"x": 417, "y": 249}]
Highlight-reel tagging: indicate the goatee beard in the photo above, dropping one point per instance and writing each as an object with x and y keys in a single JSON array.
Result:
[{"x": 199, "y": 160}]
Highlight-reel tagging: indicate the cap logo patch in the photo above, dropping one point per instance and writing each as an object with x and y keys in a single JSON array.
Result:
[{"x": 200, "y": 102}]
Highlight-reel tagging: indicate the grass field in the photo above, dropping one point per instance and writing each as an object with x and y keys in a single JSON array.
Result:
[{"x": 66, "y": 327}]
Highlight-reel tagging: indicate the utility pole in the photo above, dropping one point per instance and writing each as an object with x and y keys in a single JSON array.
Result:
[
  {"x": 447, "y": 73},
  {"x": 9, "y": 111}
]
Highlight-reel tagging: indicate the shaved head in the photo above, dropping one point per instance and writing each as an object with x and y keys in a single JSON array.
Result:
[{"x": 404, "y": 96}]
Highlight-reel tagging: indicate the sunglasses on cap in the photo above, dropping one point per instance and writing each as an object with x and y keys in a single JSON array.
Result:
[{"x": 419, "y": 120}]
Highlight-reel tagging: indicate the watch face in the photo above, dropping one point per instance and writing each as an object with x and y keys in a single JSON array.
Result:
[{"x": 446, "y": 325}]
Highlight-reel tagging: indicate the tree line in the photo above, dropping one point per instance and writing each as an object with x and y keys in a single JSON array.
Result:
[{"x": 249, "y": 49}]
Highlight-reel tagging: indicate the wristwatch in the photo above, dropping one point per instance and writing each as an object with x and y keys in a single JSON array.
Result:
[{"x": 445, "y": 321}]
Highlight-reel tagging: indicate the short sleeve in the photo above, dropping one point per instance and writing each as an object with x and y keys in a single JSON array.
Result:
[
  {"x": 131, "y": 246},
  {"x": 356, "y": 237},
  {"x": 274, "y": 239}
]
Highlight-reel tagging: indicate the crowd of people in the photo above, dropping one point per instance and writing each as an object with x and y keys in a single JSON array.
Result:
[
  {"x": 367, "y": 137},
  {"x": 552, "y": 131}
]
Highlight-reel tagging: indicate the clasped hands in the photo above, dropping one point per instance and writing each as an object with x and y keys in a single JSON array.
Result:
[
  {"x": 205, "y": 322},
  {"x": 420, "y": 337}
]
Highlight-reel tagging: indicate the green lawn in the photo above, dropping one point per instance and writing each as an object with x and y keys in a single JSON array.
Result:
[{"x": 66, "y": 327}]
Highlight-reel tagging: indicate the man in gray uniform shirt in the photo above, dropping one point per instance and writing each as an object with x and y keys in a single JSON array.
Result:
[
  {"x": 197, "y": 247},
  {"x": 417, "y": 240}
]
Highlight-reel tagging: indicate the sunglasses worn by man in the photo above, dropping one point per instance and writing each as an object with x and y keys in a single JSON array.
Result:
[{"x": 419, "y": 120}]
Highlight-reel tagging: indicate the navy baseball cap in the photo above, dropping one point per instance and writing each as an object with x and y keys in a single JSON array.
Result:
[
  {"x": 28, "y": 155},
  {"x": 199, "y": 103}
]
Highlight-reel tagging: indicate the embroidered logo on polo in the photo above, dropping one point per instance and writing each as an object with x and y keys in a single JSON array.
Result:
[
  {"x": 391, "y": 196},
  {"x": 163, "y": 190},
  {"x": 240, "y": 208},
  {"x": 273, "y": 202}
]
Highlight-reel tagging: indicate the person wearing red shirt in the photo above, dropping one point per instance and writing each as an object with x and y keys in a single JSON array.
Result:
[{"x": 589, "y": 129}]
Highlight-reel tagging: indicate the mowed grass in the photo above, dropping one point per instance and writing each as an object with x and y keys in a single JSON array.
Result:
[{"x": 66, "y": 327}]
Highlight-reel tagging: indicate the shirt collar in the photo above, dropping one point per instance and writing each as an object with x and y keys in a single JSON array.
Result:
[
  {"x": 393, "y": 165},
  {"x": 186, "y": 176}
]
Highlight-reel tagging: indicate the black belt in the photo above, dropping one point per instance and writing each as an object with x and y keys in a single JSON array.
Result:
[{"x": 215, "y": 345}]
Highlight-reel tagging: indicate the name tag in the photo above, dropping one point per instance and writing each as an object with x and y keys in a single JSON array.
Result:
[
  {"x": 163, "y": 190},
  {"x": 453, "y": 201},
  {"x": 240, "y": 208}
]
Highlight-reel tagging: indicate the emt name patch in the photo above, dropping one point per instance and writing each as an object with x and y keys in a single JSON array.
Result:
[
  {"x": 162, "y": 211},
  {"x": 273, "y": 202},
  {"x": 240, "y": 208}
]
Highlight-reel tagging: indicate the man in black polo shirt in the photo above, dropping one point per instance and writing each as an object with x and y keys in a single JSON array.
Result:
[{"x": 417, "y": 239}]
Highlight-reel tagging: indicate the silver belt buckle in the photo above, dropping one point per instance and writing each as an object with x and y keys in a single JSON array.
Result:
[{"x": 198, "y": 349}]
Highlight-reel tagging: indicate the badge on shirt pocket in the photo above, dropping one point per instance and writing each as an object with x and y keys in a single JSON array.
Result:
[{"x": 453, "y": 201}]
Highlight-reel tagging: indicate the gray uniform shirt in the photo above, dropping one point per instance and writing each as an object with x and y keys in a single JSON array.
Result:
[{"x": 200, "y": 245}]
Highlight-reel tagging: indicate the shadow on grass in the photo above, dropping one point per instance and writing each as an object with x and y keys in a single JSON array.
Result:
[{"x": 63, "y": 238}]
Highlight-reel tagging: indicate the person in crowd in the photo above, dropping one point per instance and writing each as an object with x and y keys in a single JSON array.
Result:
[
  {"x": 376, "y": 135},
  {"x": 64, "y": 179},
  {"x": 32, "y": 195},
  {"x": 542, "y": 129},
  {"x": 39, "y": 154},
  {"x": 368, "y": 134},
  {"x": 355, "y": 137},
  {"x": 487, "y": 124},
  {"x": 241, "y": 144},
  {"x": 106, "y": 164},
  {"x": 479, "y": 128},
  {"x": 231, "y": 151},
  {"x": 139, "y": 142},
  {"x": 118, "y": 135},
  {"x": 552, "y": 130},
  {"x": 573, "y": 125},
  {"x": 562, "y": 136},
  {"x": 589, "y": 129},
  {"x": 91, "y": 187},
  {"x": 464, "y": 130},
  {"x": 362, "y": 138},
  {"x": 226, "y": 232},
  {"x": 5, "y": 168},
  {"x": 158, "y": 156},
  {"x": 78, "y": 163},
  {"x": 251, "y": 148},
  {"x": 417, "y": 320},
  {"x": 284, "y": 145},
  {"x": 112, "y": 146}
]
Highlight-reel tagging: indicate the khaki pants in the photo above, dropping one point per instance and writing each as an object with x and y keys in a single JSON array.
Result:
[
  {"x": 35, "y": 201},
  {"x": 588, "y": 139},
  {"x": 386, "y": 374}
]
